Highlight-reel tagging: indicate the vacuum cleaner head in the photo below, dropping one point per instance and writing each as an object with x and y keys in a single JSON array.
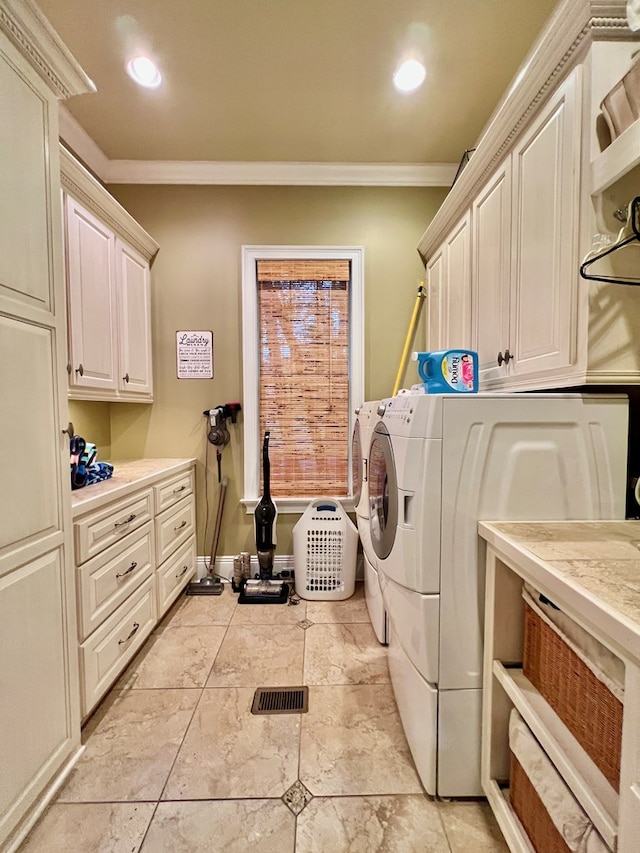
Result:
[
  {"x": 205, "y": 586},
  {"x": 263, "y": 591}
]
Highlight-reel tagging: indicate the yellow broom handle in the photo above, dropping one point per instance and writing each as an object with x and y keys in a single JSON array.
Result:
[{"x": 422, "y": 292}]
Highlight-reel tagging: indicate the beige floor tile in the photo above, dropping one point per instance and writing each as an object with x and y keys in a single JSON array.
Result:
[
  {"x": 131, "y": 746},
  {"x": 344, "y": 654},
  {"x": 201, "y": 610},
  {"x": 259, "y": 656},
  {"x": 269, "y": 614},
  {"x": 352, "y": 743},
  {"x": 229, "y": 752},
  {"x": 175, "y": 657},
  {"x": 231, "y": 826},
  {"x": 95, "y": 827},
  {"x": 401, "y": 824},
  {"x": 471, "y": 826},
  {"x": 352, "y": 609}
]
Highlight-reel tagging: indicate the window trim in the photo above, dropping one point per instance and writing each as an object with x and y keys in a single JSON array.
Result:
[{"x": 251, "y": 361}]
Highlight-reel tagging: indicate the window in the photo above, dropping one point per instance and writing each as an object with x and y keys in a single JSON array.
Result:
[{"x": 303, "y": 369}]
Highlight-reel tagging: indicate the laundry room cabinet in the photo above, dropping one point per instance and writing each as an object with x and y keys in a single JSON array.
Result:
[
  {"x": 449, "y": 290},
  {"x": 534, "y": 190},
  {"x": 108, "y": 260},
  {"x": 135, "y": 550},
  {"x": 39, "y": 709}
]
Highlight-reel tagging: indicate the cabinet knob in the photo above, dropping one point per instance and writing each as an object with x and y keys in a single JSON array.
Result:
[
  {"x": 69, "y": 368},
  {"x": 125, "y": 378},
  {"x": 500, "y": 359},
  {"x": 504, "y": 359},
  {"x": 69, "y": 430},
  {"x": 80, "y": 369}
]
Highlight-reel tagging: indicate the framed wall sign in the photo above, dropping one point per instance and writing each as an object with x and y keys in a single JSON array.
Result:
[{"x": 194, "y": 355}]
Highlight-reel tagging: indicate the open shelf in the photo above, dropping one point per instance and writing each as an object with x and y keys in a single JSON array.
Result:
[
  {"x": 616, "y": 160},
  {"x": 508, "y": 820},
  {"x": 589, "y": 786}
]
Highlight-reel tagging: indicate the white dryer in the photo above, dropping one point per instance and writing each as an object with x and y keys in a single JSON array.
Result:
[
  {"x": 366, "y": 419},
  {"x": 437, "y": 465}
]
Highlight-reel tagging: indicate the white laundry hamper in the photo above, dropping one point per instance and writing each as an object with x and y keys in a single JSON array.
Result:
[{"x": 325, "y": 544}]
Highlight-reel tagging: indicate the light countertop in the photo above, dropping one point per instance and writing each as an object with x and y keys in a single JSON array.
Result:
[
  {"x": 589, "y": 567},
  {"x": 128, "y": 476}
]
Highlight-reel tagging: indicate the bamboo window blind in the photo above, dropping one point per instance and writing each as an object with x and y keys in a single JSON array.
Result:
[{"x": 304, "y": 374}]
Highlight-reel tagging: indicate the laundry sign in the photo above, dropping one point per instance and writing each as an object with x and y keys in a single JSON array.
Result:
[{"x": 194, "y": 355}]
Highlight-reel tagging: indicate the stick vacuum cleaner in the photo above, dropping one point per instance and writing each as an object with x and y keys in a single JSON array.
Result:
[{"x": 265, "y": 589}]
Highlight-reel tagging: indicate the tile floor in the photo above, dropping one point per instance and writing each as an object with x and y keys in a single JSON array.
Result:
[{"x": 175, "y": 761}]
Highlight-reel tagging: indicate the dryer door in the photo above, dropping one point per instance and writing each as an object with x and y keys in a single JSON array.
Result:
[{"x": 383, "y": 493}]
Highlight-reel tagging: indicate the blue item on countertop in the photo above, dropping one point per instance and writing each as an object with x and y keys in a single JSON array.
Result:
[
  {"x": 99, "y": 471},
  {"x": 453, "y": 371}
]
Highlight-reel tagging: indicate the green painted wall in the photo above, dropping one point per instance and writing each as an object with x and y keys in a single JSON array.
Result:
[{"x": 196, "y": 284}]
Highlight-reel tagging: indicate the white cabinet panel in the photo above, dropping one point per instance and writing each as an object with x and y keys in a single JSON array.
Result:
[
  {"x": 491, "y": 218},
  {"x": 434, "y": 302},
  {"x": 458, "y": 287},
  {"x": 546, "y": 185},
  {"x": 29, "y": 443},
  {"x": 37, "y": 728},
  {"x": 91, "y": 300},
  {"x": 25, "y": 259},
  {"x": 134, "y": 320}
]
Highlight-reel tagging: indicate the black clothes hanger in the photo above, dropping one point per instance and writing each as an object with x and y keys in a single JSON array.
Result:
[{"x": 630, "y": 233}]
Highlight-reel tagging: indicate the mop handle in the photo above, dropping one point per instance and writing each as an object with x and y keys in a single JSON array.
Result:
[{"x": 420, "y": 297}]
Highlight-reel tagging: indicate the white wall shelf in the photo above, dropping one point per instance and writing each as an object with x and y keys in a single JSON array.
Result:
[{"x": 617, "y": 160}]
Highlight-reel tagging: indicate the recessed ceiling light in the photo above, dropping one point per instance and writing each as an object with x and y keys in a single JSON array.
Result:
[
  {"x": 409, "y": 75},
  {"x": 144, "y": 72}
]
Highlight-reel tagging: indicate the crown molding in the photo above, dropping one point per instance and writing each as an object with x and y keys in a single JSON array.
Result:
[
  {"x": 32, "y": 34},
  {"x": 565, "y": 40},
  {"x": 82, "y": 185},
  {"x": 204, "y": 172},
  {"x": 281, "y": 174}
]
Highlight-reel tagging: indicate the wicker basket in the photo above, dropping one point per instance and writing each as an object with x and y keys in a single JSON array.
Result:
[
  {"x": 584, "y": 704},
  {"x": 533, "y": 816}
]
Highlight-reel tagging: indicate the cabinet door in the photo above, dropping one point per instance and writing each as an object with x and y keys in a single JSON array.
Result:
[
  {"x": 457, "y": 291},
  {"x": 434, "y": 302},
  {"x": 39, "y": 709},
  {"x": 546, "y": 174},
  {"x": 490, "y": 269},
  {"x": 134, "y": 321},
  {"x": 91, "y": 298}
]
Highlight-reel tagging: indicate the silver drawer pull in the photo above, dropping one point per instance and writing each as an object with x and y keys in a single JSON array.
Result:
[
  {"x": 186, "y": 569},
  {"x": 130, "y": 569},
  {"x": 180, "y": 526},
  {"x": 127, "y": 520},
  {"x": 180, "y": 489},
  {"x": 136, "y": 625}
]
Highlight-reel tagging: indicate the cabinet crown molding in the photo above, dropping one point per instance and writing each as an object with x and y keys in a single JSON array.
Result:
[
  {"x": 32, "y": 34},
  {"x": 565, "y": 40},
  {"x": 81, "y": 184}
]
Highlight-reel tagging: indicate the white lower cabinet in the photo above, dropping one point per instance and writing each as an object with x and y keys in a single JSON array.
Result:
[{"x": 135, "y": 550}]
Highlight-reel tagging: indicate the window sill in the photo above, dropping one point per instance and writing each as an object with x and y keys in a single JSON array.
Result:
[{"x": 293, "y": 506}]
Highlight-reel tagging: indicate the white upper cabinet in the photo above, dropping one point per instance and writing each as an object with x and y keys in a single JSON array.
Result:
[
  {"x": 491, "y": 271},
  {"x": 449, "y": 291},
  {"x": 537, "y": 189},
  {"x": 91, "y": 293},
  {"x": 544, "y": 274},
  {"x": 108, "y": 258}
]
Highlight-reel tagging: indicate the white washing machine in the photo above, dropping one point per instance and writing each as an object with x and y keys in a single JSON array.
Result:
[
  {"x": 366, "y": 419},
  {"x": 437, "y": 465}
]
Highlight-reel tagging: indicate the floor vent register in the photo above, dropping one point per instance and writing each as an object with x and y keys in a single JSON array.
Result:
[{"x": 280, "y": 700}]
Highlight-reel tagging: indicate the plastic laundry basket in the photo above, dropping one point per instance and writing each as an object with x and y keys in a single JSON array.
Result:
[{"x": 325, "y": 543}]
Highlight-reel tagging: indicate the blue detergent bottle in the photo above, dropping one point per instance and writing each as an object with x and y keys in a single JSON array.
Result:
[{"x": 452, "y": 371}]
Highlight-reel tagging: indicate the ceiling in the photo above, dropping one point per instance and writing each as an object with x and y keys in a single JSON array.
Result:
[{"x": 296, "y": 81}]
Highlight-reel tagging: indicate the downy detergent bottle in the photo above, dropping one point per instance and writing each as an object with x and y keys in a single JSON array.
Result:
[{"x": 452, "y": 371}]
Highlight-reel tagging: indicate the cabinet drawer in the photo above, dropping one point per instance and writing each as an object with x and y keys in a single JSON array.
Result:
[
  {"x": 173, "y": 527},
  {"x": 108, "y": 650},
  {"x": 168, "y": 493},
  {"x": 109, "y": 579},
  {"x": 173, "y": 575},
  {"x": 97, "y": 531}
]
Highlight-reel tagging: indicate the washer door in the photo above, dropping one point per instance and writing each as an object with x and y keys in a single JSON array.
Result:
[
  {"x": 356, "y": 464},
  {"x": 383, "y": 493}
]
